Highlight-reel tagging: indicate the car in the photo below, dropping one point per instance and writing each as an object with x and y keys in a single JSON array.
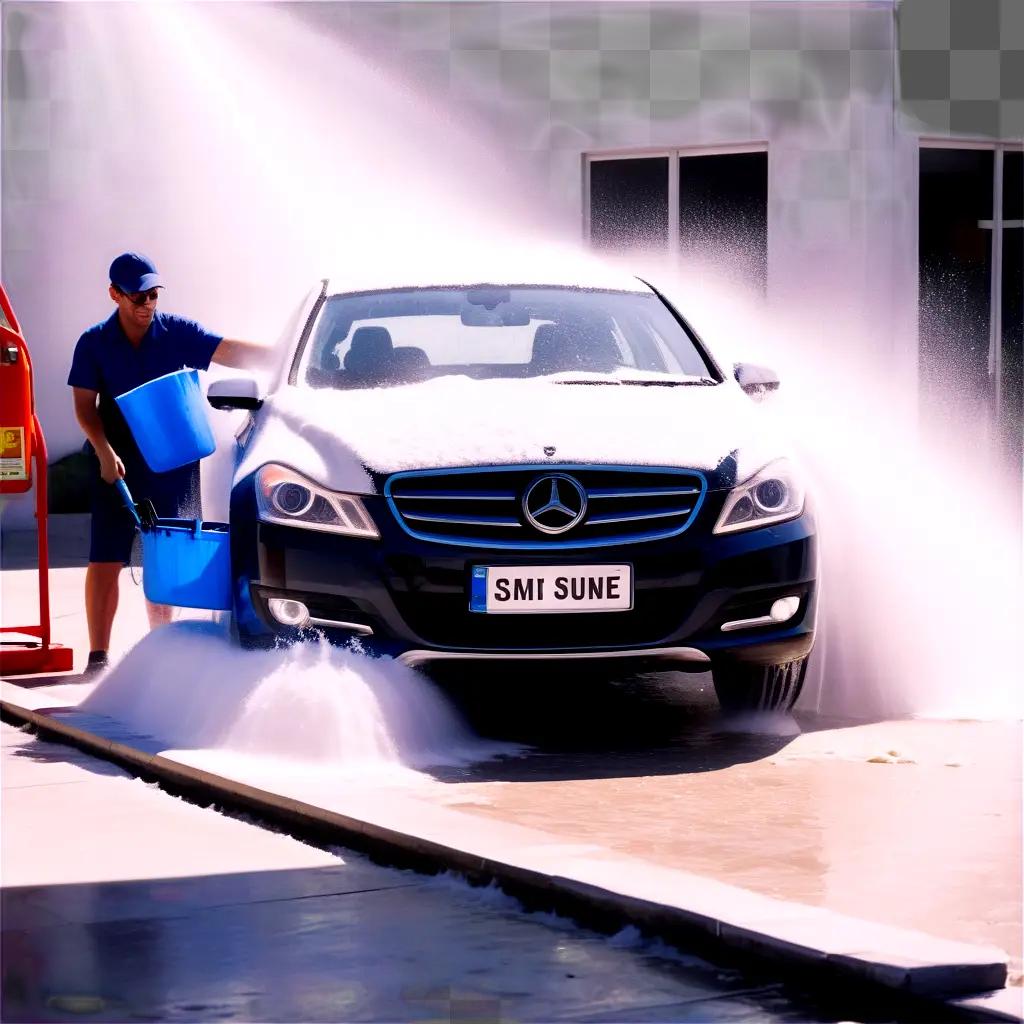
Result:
[{"x": 521, "y": 468}]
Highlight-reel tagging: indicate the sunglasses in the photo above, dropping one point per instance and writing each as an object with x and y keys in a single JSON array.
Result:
[{"x": 140, "y": 298}]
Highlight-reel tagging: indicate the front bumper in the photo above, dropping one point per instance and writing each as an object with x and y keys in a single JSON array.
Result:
[{"x": 414, "y": 594}]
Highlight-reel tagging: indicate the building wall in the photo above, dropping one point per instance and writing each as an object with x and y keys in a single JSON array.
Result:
[{"x": 961, "y": 68}]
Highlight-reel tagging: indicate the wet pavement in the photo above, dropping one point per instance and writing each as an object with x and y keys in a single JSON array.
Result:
[
  {"x": 914, "y": 823},
  {"x": 121, "y": 902}
]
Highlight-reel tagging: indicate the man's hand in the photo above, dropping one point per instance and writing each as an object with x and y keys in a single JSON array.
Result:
[{"x": 111, "y": 466}]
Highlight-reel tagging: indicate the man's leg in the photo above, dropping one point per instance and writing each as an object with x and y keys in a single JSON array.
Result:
[
  {"x": 159, "y": 614},
  {"x": 110, "y": 546},
  {"x": 101, "y": 594}
]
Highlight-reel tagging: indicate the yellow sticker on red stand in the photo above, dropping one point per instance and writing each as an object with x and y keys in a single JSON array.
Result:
[{"x": 13, "y": 465}]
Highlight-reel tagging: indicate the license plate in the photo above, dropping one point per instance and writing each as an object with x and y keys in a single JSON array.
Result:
[{"x": 520, "y": 589}]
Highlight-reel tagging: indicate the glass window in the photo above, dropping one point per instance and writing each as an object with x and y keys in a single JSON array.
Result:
[
  {"x": 955, "y": 253},
  {"x": 629, "y": 203},
  {"x": 723, "y": 214},
  {"x": 720, "y": 221}
]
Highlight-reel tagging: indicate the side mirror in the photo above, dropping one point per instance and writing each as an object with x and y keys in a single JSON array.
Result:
[
  {"x": 234, "y": 393},
  {"x": 755, "y": 380}
]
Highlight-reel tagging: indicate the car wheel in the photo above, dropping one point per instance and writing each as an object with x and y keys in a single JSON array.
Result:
[{"x": 746, "y": 687}]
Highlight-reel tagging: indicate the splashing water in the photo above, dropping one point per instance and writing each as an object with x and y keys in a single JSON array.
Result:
[
  {"x": 312, "y": 705},
  {"x": 267, "y": 157},
  {"x": 281, "y": 155},
  {"x": 921, "y": 561}
]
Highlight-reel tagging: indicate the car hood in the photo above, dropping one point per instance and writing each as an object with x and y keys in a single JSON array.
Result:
[{"x": 336, "y": 436}]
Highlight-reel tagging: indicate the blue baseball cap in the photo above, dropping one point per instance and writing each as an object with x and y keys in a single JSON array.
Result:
[{"x": 133, "y": 272}]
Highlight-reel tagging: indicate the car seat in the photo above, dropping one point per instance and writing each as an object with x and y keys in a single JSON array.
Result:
[
  {"x": 561, "y": 347},
  {"x": 370, "y": 359},
  {"x": 409, "y": 364}
]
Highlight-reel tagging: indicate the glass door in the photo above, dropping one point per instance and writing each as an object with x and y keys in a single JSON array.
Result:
[
  {"x": 971, "y": 296},
  {"x": 1010, "y": 366}
]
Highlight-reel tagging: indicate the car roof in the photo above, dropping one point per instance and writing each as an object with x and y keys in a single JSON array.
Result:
[{"x": 544, "y": 269}]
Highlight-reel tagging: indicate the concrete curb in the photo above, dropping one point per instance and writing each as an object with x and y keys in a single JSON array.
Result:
[{"x": 824, "y": 947}]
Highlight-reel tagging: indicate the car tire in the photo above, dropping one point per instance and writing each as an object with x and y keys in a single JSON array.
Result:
[{"x": 748, "y": 687}]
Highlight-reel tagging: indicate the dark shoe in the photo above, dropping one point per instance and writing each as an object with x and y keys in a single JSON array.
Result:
[{"x": 98, "y": 661}]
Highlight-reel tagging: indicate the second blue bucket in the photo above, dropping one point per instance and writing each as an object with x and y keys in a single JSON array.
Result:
[
  {"x": 187, "y": 563},
  {"x": 167, "y": 418}
]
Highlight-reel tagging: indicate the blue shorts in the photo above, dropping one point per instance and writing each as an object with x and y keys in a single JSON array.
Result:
[{"x": 175, "y": 495}]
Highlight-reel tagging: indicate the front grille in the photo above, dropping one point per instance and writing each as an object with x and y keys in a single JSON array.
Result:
[{"x": 484, "y": 508}]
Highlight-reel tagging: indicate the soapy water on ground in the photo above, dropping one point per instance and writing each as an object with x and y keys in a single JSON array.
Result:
[
  {"x": 493, "y": 897},
  {"x": 764, "y": 723},
  {"x": 296, "y": 155},
  {"x": 309, "y": 708}
]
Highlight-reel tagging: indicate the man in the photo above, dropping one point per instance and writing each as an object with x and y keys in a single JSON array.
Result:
[{"x": 134, "y": 345}]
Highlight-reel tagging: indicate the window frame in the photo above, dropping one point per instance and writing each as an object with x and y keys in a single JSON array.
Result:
[{"x": 674, "y": 155}]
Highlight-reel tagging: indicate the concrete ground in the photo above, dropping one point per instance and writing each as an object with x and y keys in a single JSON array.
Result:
[
  {"x": 910, "y": 823},
  {"x": 121, "y": 902},
  {"x": 913, "y": 823}
]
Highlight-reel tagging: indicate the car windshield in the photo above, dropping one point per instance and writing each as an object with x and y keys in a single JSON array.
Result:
[{"x": 385, "y": 339}]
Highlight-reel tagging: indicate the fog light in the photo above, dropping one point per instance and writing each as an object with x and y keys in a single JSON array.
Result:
[
  {"x": 781, "y": 611},
  {"x": 288, "y": 612},
  {"x": 785, "y": 608}
]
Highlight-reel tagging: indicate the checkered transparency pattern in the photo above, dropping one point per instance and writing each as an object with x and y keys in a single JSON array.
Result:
[
  {"x": 962, "y": 66},
  {"x": 548, "y": 82},
  {"x": 551, "y": 81}
]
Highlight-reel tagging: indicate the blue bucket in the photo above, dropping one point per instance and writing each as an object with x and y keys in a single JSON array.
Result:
[
  {"x": 167, "y": 417},
  {"x": 187, "y": 562}
]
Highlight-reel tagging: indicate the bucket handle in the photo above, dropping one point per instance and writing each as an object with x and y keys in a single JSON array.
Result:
[{"x": 126, "y": 497}]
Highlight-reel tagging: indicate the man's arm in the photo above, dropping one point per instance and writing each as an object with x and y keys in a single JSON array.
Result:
[
  {"x": 88, "y": 416},
  {"x": 242, "y": 354}
]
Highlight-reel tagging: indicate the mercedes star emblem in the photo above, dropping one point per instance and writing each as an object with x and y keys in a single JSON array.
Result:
[{"x": 554, "y": 503}]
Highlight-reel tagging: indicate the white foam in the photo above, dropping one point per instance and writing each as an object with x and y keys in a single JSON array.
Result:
[
  {"x": 309, "y": 707},
  {"x": 456, "y": 421}
]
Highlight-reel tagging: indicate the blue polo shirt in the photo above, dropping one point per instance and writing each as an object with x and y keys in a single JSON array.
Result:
[{"x": 107, "y": 362}]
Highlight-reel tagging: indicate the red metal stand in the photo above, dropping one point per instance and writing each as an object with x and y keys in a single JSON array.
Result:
[
  {"x": 22, "y": 443},
  {"x": 43, "y": 656}
]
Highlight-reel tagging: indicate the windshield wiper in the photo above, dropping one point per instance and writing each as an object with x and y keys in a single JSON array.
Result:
[
  {"x": 697, "y": 382},
  {"x": 647, "y": 382}
]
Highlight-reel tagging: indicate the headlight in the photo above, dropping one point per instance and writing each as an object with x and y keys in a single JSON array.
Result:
[
  {"x": 284, "y": 496},
  {"x": 770, "y": 496}
]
